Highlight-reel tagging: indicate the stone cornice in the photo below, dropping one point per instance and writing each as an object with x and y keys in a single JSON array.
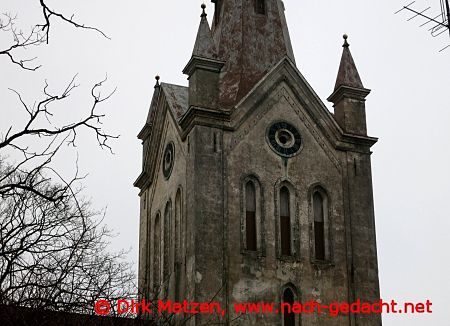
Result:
[
  {"x": 348, "y": 92},
  {"x": 203, "y": 64},
  {"x": 145, "y": 131},
  {"x": 206, "y": 117}
]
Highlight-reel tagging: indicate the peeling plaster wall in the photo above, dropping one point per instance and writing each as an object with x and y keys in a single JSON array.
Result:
[{"x": 253, "y": 278}]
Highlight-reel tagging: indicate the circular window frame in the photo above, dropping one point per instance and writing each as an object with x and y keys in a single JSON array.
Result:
[
  {"x": 294, "y": 140},
  {"x": 167, "y": 168}
]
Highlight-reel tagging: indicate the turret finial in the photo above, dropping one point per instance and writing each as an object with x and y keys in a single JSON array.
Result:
[
  {"x": 204, "y": 12},
  {"x": 157, "y": 80},
  {"x": 346, "y": 45}
]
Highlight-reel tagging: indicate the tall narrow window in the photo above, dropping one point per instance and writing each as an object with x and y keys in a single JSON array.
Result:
[
  {"x": 285, "y": 222},
  {"x": 148, "y": 260},
  {"x": 167, "y": 225},
  {"x": 261, "y": 7},
  {"x": 216, "y": 11},
  {"x": 157, "y": 252},
  {"x": 319, "y": 226},
  {"x": 288, "y": 315},
  {"x": 177, "y": 259},
  {"x": 250, "y": 216}
]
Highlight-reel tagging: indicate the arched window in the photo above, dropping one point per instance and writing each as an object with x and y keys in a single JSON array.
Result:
[
  {"x": 148, "y": 260},
  {"x": 157, "y": 252},
  {"x": 250, "y": 216},
  {"x": 167, "y": 227},
  {"x": 288, "y": 315},
  {"x": 285, "y": 222},
  {"x": 319, "y": 226},
  {"x": 177, "y": 259},
  {"x": 261, "y": 7}
]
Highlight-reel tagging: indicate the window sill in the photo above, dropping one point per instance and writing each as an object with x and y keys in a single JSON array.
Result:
[
  {"x": 289, "y": 259},
  {"x": 322, "y": 264},
  {"x": 253, "y": 254}
]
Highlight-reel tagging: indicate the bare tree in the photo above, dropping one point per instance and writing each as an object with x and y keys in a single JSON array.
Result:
[
  {"x": 53, "y": 254},
  {"x": 39, "y": 33},
  {"x": 53, "y": 244}
]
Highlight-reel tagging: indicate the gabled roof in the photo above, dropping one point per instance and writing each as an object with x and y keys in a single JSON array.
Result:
[
  {"x": 286, "y": 72},
  {"x": 177, "y": 98}
]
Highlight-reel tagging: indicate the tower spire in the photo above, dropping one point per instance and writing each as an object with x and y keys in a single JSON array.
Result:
[{"x": 251, "y": 37}]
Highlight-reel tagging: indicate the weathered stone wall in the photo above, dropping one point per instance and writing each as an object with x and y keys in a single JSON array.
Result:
[
  {"x": 163, "y": 192},
  {"x": 205, "y": 211},
  {"x": 255, "y": 278}
]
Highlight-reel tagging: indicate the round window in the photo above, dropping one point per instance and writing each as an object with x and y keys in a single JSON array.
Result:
[
  {"x": 168, "y": 159},
  {"x": 284, "y": 139}
]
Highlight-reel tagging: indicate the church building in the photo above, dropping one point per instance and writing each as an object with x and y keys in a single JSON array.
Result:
[{"x": 251, "y": 190}]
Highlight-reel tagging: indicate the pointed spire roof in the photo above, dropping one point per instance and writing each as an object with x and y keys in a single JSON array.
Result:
[
  {"x": 348, "y": 74},
  {"x": 155, "y": 98},
  {"x": 251, "y": 38},
  {"x": 204, "y": 44},
  {"x": 348, "y": 83}
]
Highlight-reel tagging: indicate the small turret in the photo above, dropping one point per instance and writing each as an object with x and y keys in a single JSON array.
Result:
[
  {"x": 203, "y": 69},
  {"x": 349, "y": 96}
]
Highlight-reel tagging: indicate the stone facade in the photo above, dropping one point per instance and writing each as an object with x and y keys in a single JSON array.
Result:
[{"x": 251, "y": 190}]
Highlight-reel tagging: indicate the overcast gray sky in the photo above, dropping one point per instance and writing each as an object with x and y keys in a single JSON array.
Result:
[{"x": 408, "y": 110}]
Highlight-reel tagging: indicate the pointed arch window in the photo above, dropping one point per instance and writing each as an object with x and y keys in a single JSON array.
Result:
[
  {"x": 285, "y": 222},
  {"x": 178, "y": 232},
  {"x": 157, "y": 253},
  {"x": 250, "y": 216},
  {"x": 321, "y": 249},
  {"x": 319, "y": 226},
  {"x": 260, "y": 6},
  {"x": 166, "y": 241},
  {"x": 288, "y": 300}
]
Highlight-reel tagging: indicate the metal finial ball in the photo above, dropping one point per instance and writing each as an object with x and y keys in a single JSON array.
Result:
[
  {"x": 157, "y": 78},
  {"x": 345, "y": 36},
  {"x": 203, "y": 6}
]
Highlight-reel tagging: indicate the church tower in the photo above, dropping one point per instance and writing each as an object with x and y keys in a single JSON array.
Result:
[{"x": 251, "y": 190}]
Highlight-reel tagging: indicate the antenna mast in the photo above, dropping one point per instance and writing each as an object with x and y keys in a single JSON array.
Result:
[{"x": 441, "y": 22}]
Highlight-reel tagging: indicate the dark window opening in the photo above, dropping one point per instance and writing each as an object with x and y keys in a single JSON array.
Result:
[
  {"x": 261, "y": 7},
  {"x": 157, "y": 252},
  {"x": 177, "y": 281},
  {"x": 216, "y": 11},
  {"x": 177, "y": 253},
  {"x": 250, "y": 216},
  {"x": 319, "y": 226},
  {"x": 285, "y": 222},
  {"x": 166, "y": 240},
  {"x": 288, "y": 315}
]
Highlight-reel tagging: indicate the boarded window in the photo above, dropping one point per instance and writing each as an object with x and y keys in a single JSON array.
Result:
[
  {"x": 261, "y": 7},
  {"x": 250, "y": 216},
  {"x": 319, "y": 226},
  {"x": 285, "y": 222},
  {"x": 288, "y": 316}
]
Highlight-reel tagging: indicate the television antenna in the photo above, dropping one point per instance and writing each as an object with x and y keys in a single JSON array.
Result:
[{"x": 440, "y": 24}]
